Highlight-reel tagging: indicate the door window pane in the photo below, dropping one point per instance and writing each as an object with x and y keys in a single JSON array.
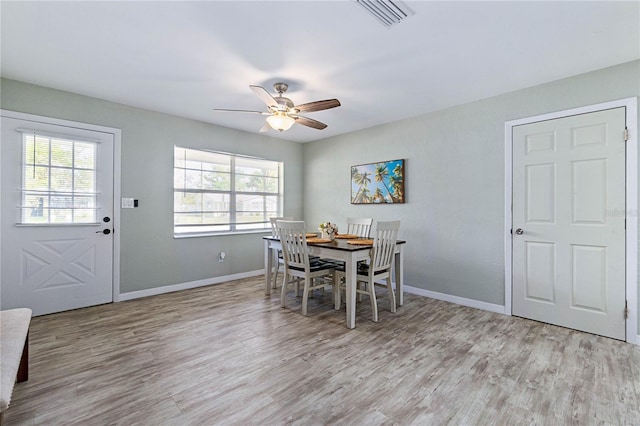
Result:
[{"x": 58, "y": 181}]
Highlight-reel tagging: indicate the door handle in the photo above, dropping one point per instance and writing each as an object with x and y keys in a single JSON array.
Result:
[
  {"x": 519, "y": 231},
  {"x": 104, "y": 231}
]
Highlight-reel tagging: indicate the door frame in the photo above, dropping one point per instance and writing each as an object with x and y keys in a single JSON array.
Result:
[
  {"x": 631, "y": 232},
  {"x": 117, "y": 138}
]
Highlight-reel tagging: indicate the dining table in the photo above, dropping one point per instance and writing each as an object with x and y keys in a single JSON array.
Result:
[{"x": 350, "y": 254}]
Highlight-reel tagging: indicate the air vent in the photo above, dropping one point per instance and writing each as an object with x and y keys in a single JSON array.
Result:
[{"x": 387, "y": 12}]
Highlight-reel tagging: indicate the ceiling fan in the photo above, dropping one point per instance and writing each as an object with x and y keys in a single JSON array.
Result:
[{"x": 282, "y": 113}]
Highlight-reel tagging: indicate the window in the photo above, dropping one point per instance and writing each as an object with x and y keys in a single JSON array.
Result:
[
  {"x": 215, "y": 192},
  {"x": 58, "y": 180}
]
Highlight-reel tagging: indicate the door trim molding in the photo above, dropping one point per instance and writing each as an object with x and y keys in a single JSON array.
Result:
[
  {"x": 117, "y": 139},
  {"x": 631, "y": 233}
]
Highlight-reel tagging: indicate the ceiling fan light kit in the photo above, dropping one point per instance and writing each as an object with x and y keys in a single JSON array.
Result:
[
  {"x": 280, "y": 122},
  {"x": 283, "y": 113}
]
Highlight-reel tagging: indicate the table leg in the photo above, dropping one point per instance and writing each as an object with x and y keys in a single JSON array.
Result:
[
  {"x": 336, "y": 292},
  {"x": 268, "y": 266},
  {"x": 274, "y": 268},
  {"x": 351, "y": 282},
  {"x": 399, "y": 272}
]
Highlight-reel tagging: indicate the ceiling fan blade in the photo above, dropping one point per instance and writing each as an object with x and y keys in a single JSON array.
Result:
[
  {"x": 240, "y": 110},
  {"x": 318, "y": 105},
  {"x": 310, "y": 122},
  {"x": 264, "y": 96},
  {"x": 265, "y": 127}
]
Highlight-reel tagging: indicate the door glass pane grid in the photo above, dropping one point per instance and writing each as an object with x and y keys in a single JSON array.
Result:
[{"x": 58, "y": 181}]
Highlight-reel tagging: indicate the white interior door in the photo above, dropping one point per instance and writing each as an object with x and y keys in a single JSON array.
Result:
[
  {"x": 569, "y": 222},
  {"x": 57, "y": 211}
]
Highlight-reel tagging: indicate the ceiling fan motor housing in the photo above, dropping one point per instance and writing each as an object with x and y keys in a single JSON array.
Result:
[{"x": 284, "y": 103}]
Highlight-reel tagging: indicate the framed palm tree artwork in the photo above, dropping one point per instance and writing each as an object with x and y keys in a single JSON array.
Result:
[{"x": 378, "y": 183}]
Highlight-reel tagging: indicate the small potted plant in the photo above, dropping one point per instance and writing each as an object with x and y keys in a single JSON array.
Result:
[{"x": 328, "y": 230}]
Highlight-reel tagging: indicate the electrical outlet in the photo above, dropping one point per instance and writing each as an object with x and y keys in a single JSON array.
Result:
[{"x": 221, "y": 256}]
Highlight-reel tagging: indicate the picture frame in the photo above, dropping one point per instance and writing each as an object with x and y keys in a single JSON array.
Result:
[{"x": 378, "y": 183}]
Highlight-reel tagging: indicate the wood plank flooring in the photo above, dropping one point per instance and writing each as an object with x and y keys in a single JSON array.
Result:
[{"x": 228, "y": 355}]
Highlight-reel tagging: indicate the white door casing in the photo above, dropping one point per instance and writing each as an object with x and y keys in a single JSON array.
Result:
[
  {"x": 56, "y": 267},
  {"x": 566, "y": 190}
]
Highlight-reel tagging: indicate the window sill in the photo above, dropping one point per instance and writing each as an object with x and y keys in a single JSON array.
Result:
[{"x": 221, "y": 234}]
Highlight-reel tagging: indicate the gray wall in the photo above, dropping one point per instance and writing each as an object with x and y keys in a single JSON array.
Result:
[
  {"x": 453, "y": 217},
  {"x": 150, "y": 256}
]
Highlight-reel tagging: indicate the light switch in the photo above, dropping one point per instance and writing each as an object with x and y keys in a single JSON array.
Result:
[{"x": 127, "y": 203}]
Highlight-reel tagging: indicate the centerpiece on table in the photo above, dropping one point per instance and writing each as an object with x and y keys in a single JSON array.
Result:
[{"x": 328, "y": 230}]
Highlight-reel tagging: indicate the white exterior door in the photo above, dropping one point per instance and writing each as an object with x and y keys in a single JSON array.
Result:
[
  {"x": 56, "y": 216},
  {"x": 569, "y": 222}
]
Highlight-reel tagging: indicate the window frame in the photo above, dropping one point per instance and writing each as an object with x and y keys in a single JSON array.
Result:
[{"x": 234, "y": 227}]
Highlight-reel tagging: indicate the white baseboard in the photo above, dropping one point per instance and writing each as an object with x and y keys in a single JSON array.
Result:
[
  {"x": 188, "y": 285},
  {"x": 499, "y": 309}
]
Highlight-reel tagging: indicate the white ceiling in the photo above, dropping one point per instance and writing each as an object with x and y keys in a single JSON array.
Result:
[{"x": 185, "y": 58}]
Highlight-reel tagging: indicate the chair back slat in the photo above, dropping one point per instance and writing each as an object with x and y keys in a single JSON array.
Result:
[
  {"x": 384, "y": 246},
  {"x": 293, "y": 239},
  {"x": 359, "y": 226},
  {"x": 274, "y": 224}
]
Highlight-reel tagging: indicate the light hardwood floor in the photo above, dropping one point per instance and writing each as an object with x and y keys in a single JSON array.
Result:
[{"x": 226, "y": 355}]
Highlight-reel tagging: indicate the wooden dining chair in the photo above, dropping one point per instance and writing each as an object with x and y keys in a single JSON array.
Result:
[
  {"x": 278, "y": 260},
  {"x": 379, "y": 268},
  {"x": 297, "y": 264},
  {"x": 359, "y": 226}
]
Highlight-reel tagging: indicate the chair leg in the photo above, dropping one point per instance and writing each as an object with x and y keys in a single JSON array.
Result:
[
  {"x": 283, "y": 292},
  {"x": 392, "y": 295},
  {"x": 305, "y": 295},
  {"x": 275, "y": 278},
  {"x": 374, "y": 302},
  {"x": 338, "y": 293}
]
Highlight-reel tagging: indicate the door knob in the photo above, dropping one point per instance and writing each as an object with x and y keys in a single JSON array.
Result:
[
  {"x": 519, "y": 231},
  {"x": 105, "y": 231}
]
